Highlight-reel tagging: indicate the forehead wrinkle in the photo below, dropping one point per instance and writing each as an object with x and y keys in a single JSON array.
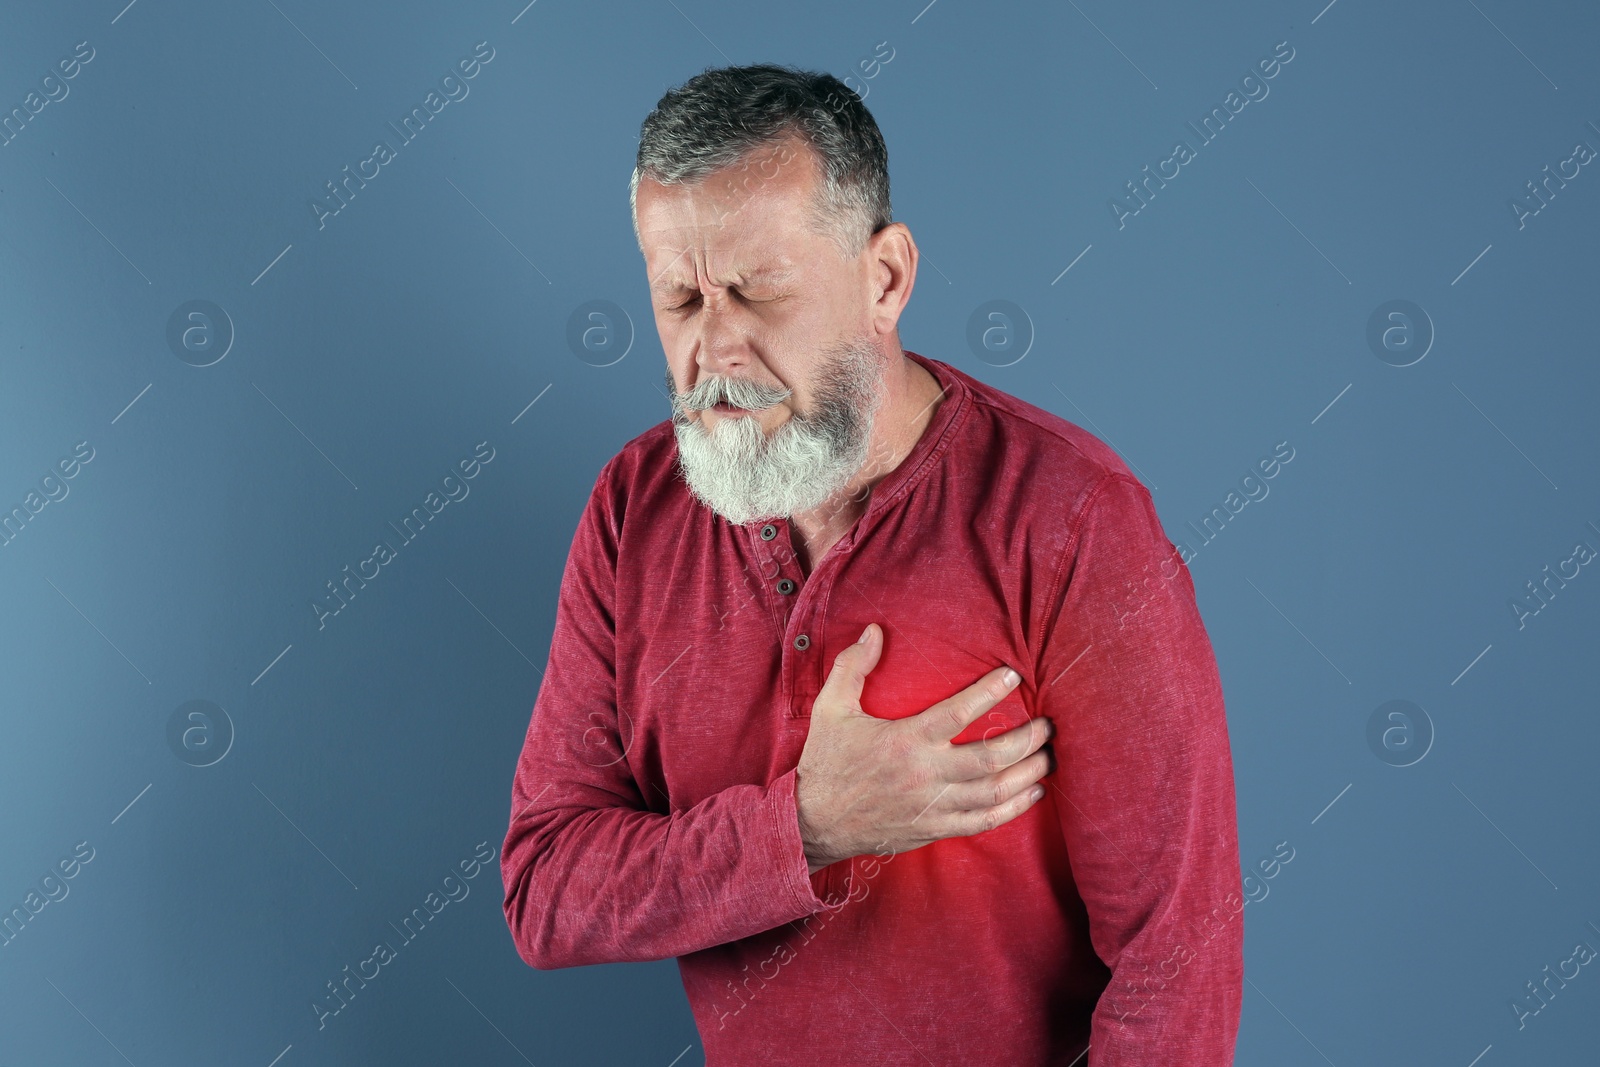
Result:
[
  {"x": 701, "y": 207},
  {"x": 707, "y": 223},
  {"x": 780, "y": 272}
]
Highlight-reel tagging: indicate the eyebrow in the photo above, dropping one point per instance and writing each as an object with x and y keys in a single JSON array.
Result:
[{"x": 669, "y": 285}]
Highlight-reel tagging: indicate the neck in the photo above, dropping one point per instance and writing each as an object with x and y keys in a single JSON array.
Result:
[{"x": 911, "y": 397}]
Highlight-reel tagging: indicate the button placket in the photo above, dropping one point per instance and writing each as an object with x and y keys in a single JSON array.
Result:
[
  {"x": 781, "y": 568},
  {"x": 781, "y": 559}
]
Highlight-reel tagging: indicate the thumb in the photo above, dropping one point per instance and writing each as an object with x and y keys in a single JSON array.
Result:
[{"x": 851, "y": 667}]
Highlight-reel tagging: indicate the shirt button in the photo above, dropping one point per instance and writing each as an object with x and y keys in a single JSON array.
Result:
[
  {"x": 768, "y": 532},
  {"x": 785, "y": 586},
  {"x": 802, "y": 642}
]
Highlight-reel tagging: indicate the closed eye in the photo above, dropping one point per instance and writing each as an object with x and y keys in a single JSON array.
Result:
[{"x": 695, "y": 299}]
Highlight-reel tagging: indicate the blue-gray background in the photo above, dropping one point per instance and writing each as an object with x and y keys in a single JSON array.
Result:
[{"x": 368, "y": 357}]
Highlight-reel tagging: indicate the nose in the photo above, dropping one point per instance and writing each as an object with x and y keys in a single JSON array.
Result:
[{"x": 722, "y": 346}]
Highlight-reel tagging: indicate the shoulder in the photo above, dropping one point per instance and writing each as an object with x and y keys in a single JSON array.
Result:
[
  {"x": 1035, "y": 452},
  {"x": 644, "y": 457},
  {"x": 643, "y": 474}
]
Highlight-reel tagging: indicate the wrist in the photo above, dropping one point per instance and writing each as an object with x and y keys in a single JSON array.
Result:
[{"x": 817, "y": 854}]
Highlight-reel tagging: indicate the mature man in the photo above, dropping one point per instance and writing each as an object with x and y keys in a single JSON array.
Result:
[{"x": 841, "y": 840}]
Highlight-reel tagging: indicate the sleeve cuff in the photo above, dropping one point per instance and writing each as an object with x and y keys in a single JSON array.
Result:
[{"x": 790, "y": 850}]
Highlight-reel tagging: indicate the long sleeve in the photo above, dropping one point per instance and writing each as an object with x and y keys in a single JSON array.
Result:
[
  {"x": 1144, "y": 786},
  {"x": 591, "y": 874}
]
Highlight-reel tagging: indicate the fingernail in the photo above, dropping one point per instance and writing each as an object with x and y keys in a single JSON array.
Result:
[
  {"x": 863, "y": 638},
  {"x": 1010, "y": 678}
]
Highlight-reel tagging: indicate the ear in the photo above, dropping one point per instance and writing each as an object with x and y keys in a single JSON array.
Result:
[{"x": 891, "y": 257}]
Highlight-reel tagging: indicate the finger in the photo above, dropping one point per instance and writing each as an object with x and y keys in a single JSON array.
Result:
[
  {"x": 960, "y": 763},
  {"x": 995, "y": 789},
  {"x": 985, "y": 819},
  {"x": 848, "y": 675},
  {"x": 944, "y": 720}
]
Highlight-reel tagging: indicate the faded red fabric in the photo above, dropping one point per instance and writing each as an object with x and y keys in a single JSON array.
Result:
[{"x": 653, "y": 808}]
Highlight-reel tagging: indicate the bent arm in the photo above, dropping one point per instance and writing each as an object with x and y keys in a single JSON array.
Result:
[
  {"x": 591, "y": 874},
  {"x": 613, "y": 884}
]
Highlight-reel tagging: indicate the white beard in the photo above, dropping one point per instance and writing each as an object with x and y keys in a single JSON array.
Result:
[{"x": 742, "y": 475}]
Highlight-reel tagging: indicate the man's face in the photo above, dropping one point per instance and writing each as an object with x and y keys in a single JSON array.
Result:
[{"x": 774, "y": 370}]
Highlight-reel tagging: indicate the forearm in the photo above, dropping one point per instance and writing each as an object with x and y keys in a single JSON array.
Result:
[
  {"x": 617, "y": 884},
  {"x": 1174, "y": 994},
  {"x": 1166, "y": 901}
]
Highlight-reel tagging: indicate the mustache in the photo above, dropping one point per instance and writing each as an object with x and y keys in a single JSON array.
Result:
[{"x": 739, "y": 392}]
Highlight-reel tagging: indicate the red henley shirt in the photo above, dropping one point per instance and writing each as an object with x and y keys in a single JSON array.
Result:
[{"x": 653, "y": 807}]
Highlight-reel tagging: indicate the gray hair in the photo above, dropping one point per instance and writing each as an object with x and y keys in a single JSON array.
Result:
[{"x": 720, "y": 115}]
